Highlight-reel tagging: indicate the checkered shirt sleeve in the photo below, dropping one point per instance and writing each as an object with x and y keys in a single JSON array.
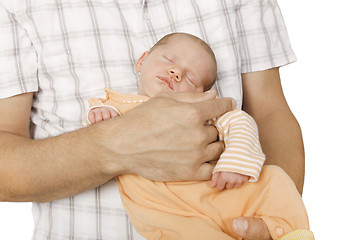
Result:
[
  {"x": 18, "y": 58},
  {"x": 262, "y": 36}
]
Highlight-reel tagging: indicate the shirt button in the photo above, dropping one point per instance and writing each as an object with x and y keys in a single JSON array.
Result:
[{"x": 279, "y": 231}]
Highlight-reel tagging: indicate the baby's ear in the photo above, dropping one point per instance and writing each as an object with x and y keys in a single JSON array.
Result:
[{"x": 140, "y": 61}]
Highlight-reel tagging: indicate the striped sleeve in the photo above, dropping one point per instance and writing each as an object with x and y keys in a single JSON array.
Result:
[
  {"x": 243, "y": 153},
  {"x": 298, "y": 234}
]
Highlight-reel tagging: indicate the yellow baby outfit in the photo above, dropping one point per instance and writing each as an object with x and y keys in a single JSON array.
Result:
[{"x": 195, "y": 210}]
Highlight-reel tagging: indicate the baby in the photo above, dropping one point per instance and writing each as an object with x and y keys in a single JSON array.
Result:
[
  {"x": 164, "y": 70},
  {"x": 181, "y": 62}
]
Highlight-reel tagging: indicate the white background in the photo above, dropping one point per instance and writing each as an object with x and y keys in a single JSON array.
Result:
[{"x": 312, "y": 89}]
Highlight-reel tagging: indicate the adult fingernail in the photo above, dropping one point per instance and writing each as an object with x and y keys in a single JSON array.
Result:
[{"x": 241, "y": 225}]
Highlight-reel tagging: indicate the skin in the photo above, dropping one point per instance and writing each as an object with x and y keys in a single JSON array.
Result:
[
  {"x": 280, "y": 137},
  {"x": 101, "y": 114},
  {"x": 280, "y": 133},
  {"x": 264, "y": 99},
  {"x": 29, "y": 168},
  {"x": 182, "y": 64}
]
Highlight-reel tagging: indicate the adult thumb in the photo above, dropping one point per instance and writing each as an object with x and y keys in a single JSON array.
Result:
[{"x": 190, "y": 97}]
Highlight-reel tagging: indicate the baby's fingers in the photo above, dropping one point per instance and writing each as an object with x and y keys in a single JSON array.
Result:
[
  {"x": 222, "y": 183},
  {"x": 91, "y": 117},
  {"x": 98, "y": 116},
  {"x": 95, "y": 115},
  {"x": 241, "y": 181},
  {"x": 214, "y": 179},
  {"x": 230, "y": 185},
  {"x": 113, "y": 113},
  {"x": 106, "y": 114}
]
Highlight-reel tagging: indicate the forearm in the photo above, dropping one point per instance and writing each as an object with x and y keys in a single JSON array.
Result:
[
  {"x": 43, "y": 170},
  {"x": 282, "y": 143},
  {"x": 280, "y": 133},
  {"x": 147, "y": 141}
]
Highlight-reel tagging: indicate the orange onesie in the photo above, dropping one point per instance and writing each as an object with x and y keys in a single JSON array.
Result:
[{"x": 195, "y": 210}]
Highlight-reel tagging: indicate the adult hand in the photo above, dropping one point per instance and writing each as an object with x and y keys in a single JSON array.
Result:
[{"x": 166, "y": 138}]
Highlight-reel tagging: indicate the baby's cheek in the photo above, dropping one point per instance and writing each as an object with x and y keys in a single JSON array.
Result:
[{"x": 184, "y": 87}]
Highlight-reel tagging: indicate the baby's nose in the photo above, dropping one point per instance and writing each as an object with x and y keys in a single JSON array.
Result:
[{"x": 175, "y": 74}]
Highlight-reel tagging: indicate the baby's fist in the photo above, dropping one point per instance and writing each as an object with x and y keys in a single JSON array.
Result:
[
  {"x": 228, "y": 180},
  {"x": 99, "y": 114}
]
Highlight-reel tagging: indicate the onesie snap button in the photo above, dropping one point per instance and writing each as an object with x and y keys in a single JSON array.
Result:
[{"x": 279, "y": 231}]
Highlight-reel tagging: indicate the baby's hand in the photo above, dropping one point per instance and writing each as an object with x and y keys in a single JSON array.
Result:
[
  {"x": 100, "y": 114},
  {"x": 228, "y": 180}
]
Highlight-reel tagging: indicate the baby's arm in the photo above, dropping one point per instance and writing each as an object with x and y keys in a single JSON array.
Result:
[
  {"x": 243, "y": 158},
  {"x": 101, "y": 113}
]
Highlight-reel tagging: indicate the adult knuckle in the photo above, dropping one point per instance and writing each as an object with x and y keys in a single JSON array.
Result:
[
  {"x": 220, "y": 147},
  {"x": 198, "y": 154},
  {"x": 185, "y": 172},
  {"x": 200, "y": 137}
]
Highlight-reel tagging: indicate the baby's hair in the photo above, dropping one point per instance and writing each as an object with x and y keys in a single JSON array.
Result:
[{"x": 164, "y": 40}]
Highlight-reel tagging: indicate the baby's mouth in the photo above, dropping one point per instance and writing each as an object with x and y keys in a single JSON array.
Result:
[{"x": 167, "y": 81}]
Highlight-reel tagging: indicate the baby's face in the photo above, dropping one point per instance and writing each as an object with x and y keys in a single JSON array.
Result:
[{"x": 182, "y": 64}]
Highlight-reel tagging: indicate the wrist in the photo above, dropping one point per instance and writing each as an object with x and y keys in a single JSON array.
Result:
[{"x": 105, "y": 148}]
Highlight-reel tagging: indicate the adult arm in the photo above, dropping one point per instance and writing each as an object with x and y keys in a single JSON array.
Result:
[
  {"x": 280, "y": 137},
  {"x": 280, "y": 133},
  {"x": 56, "y": 167},
  {"x": 42, "y": 170}
]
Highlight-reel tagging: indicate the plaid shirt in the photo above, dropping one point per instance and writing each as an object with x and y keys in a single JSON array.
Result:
[{"x": 68, "y": 51}]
